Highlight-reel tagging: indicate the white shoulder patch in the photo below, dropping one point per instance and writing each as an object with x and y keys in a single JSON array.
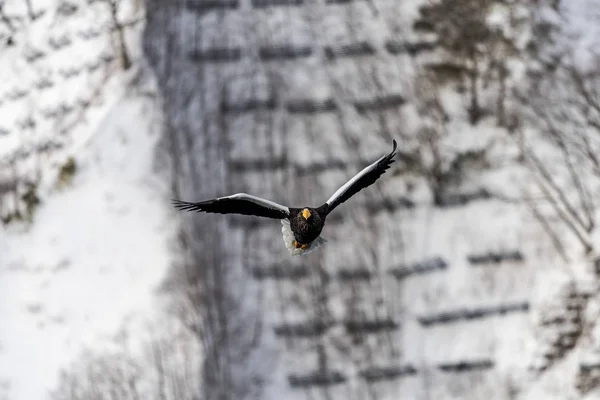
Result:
[{"x": 288, "y": 239}]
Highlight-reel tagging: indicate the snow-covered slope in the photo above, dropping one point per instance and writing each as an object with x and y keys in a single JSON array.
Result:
[
  {"x": 90, "y": 258},
  {"x": 87, "y": 265},
  {"x": 440, "y": 282},
  {"x": 437, "y": 283}
]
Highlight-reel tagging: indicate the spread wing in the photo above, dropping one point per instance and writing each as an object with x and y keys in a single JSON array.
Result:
[
  {"x": 364, "y": 178},
  {"x": 239, "y": 203}
]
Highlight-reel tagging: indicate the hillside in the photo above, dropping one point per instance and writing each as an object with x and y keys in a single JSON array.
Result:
[
  {"x": 85, "y": 231},
  {"x": 468, "y": 271},
  {"x": 467, "y": 274}
]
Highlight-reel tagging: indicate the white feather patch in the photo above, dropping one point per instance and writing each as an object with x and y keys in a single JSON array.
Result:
[{"x": 288, "y": 239}]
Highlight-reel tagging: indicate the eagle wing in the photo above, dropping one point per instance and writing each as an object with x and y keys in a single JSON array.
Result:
[
  {"x": 364, "y": 178},
  {"x": 239, "y": 203}
]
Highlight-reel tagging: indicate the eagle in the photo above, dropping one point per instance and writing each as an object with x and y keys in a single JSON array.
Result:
[{"x": 301, "y": 227}]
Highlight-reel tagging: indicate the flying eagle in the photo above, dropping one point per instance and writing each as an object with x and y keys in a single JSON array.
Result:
[{"x": 301, "y": 226}]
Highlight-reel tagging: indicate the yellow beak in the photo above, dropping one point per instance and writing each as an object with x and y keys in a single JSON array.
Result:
[{"x": 306, "y": 213}]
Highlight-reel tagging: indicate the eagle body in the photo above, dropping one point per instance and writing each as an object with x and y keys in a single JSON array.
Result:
[
  {"x": 301, "y": 227},
  {"x": 307, "y": 229}
]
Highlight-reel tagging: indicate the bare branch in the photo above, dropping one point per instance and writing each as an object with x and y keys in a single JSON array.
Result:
[
  {"x": 557, "y": 204},
  {"x": 547, "y": 226},
  {"x": 590, "y": 98},
  {"x": 552, "y": 186},
  {"x": 582, "y": 192}
]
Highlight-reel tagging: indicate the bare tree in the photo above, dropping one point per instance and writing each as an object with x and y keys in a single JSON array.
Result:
[
  {"x": 462, "y": 31},
  {"x": 161, "y": 370},
  {"x": 118, "y": 27},
  {"x": 9, "y": 188},
  {"x": 30, "y": 11},
  {"x": 564, "y": 103}
]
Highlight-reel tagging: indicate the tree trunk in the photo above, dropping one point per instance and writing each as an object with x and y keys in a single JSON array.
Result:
[{"x": 474, "y": 109}]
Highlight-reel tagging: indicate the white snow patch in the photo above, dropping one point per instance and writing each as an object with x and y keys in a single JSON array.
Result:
[
  {"x": 582, "y": 27},
  {"x": 92, "y": 256}
]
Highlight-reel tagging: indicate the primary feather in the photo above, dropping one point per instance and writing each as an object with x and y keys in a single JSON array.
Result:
[
  {"x": 239, "y": 203},
  {"x": 364, "y": 178}
]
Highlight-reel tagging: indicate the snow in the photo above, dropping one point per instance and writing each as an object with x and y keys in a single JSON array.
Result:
[
  {"x": 88, "y": 264},
  {"x": 584, "y": 32},
  {"x": 86, "y": 268},
  {"x": 92, "y": 256}
]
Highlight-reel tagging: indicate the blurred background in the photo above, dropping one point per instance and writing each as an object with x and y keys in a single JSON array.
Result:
[{"x": 469, "y": 271}]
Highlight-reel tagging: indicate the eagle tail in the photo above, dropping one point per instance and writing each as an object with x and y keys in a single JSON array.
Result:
[{"x": 288, "y": 239}]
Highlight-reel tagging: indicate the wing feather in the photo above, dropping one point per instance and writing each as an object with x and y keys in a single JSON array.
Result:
[
  {"x": 239, "y": 203},
  {"x": 363, "y": 179}
]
